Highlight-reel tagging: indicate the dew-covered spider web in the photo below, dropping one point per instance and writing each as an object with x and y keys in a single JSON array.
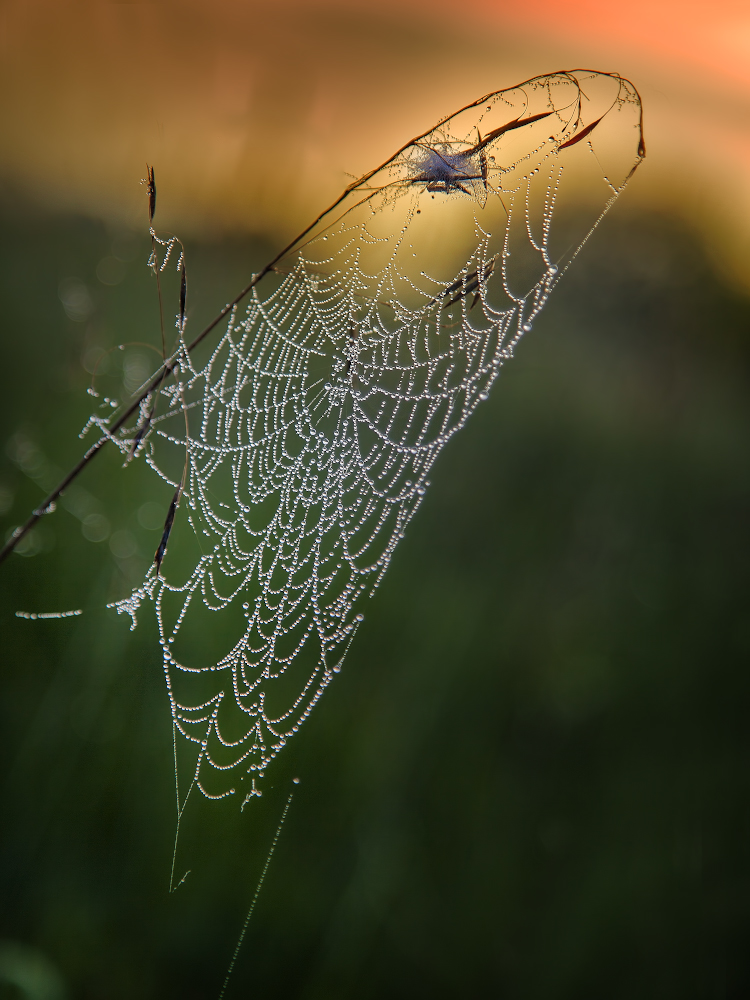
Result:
[{"x": 304, "y": 445}]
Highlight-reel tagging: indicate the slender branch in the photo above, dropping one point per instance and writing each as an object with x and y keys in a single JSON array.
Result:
[{"x": 169, "y": 364}]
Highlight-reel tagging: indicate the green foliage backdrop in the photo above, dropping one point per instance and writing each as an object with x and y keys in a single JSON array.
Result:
[{"x": 531, "y": 779}]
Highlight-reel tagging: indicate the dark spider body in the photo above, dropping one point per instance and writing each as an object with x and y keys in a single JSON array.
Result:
[{"x": 446, "y": 171}]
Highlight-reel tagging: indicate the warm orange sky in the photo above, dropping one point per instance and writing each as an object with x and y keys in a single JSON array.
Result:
[
  {"x": 712, "y": 38},
  {"x": 253, "y": 112}
]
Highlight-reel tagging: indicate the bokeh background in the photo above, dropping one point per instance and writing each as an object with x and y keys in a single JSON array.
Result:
[{"x": 532, "y": 778}]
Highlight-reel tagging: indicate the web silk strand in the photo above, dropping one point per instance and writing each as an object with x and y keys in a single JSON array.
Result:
[{"x": 259, "y": 886}]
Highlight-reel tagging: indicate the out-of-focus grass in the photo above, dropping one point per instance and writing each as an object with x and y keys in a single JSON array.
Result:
[{"x": 531, "y": 779}]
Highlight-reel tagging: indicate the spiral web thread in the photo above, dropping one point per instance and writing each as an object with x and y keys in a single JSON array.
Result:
[{"x": 311, "y": 430}]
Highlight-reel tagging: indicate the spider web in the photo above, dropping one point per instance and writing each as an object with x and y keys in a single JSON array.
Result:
[{"x": 304, "y": 444}]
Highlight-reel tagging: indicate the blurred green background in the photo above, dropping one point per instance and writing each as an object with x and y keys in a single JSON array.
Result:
[{"x": 532, "y": 778}]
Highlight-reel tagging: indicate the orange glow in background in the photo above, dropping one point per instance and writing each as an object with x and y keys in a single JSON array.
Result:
[{"x": 255, "y": 115}]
